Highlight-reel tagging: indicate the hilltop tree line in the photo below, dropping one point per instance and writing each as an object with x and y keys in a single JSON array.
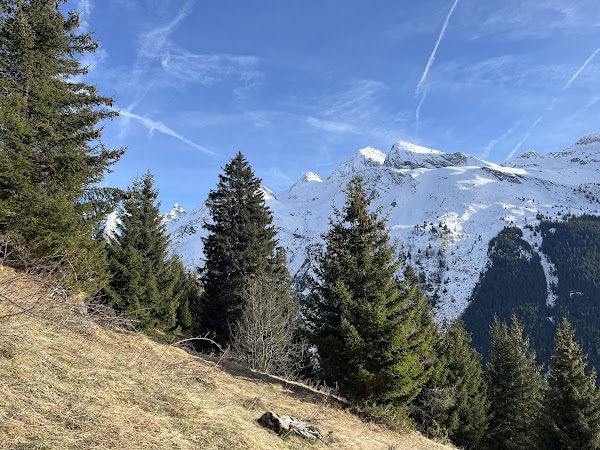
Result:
[{"x": 361, "y": 328}]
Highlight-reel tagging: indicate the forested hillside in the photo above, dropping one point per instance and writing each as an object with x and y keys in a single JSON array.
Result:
[
  {"x": 514, "y": 283},
  {"x": 574, "y": 248}
]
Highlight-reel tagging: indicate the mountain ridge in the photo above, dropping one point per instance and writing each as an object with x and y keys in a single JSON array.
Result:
[{"x": 443, "y": 208}]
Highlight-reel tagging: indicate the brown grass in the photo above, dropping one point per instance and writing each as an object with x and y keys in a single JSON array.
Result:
[{"x": 67, "y": 383}]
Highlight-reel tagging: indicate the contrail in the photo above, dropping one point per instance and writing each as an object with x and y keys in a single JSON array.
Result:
[
  {"x": 152, "y": 125},
  {"x": 553, "y": 102},
  {"x": 418, "y": 112},
  {"x": 518, "y": 146},
  {"x": 574, "y": 77},
  {"x": 437, "y": 44},
  {"x": 488, "y": 148}
]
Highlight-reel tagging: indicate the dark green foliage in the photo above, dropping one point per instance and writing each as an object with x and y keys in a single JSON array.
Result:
[
  {"x": 572, "y": 411},
  {"x": 514, "y": 283},
  {"x": 240, "y": 245},
  {"x": 188, "y": 295},
  {"x": 515, "y": 389},
  {"x": 373, "y": 334},
  {"x": 453, "y": 404},
  {"x": 144, "y": 279},
  {"x": 574, "y": 248},
  {"x": 51, "y": 158}
]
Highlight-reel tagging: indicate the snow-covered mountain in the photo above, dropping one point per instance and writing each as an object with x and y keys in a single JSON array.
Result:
[
  {"x": 111, "y": 221},
  {"x": 442, "y": 208}
]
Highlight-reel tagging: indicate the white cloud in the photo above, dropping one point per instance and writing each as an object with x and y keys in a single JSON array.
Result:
[
  {"x": 211, "y": 69},
  {"x": 355, "y": 102},
  {"x": 154, "y": 42},
  {"x": 181, "y": 65},
  {"x": 356, "y": 109},
  {"x": 277, "y": 179},
  {"x": 85, "y": 8},
  {"x": 537, "y": 19},
  {"x": 329, "y": 125}
]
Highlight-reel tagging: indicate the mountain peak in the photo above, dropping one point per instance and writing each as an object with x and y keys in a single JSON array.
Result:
[
  {"x": 310, "y": 176},
  {"x": 528, "y": 155},
  {"x": 308, "y": 180},
  {"x": 403, "y": 146},
  {"x": 405, "y": 155},
  {"x": 175, "y": 214},
  {"x": 371, "y": 153}
]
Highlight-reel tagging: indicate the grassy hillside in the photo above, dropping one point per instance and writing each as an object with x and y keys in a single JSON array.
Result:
[{"x": 69, "y": 383}]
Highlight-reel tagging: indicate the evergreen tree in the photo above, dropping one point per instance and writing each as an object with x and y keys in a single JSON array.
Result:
[
  {"x": 454, "y": 403},
  {"x": 373, "y": 334},
  {"x": 515, "y": 389},
  {"x": 187, "y": 292},
  {"x": 144, "y": 279},
  {"x": 573, "y": 403},
  {"x": 51, "y": 157},
  {"x": 241, "y": 244},
  {"x": 429, "y": 408}
]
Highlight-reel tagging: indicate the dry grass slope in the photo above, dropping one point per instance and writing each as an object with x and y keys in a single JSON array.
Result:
[{"x": 67, "y": 383}]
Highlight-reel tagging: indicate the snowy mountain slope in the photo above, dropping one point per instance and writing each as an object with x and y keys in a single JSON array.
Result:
[
  {"x": 112, "y": 220},
  {"x": 443, "y": 208}
]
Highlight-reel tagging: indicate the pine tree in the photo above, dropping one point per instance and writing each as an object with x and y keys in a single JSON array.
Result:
[
  {"x": 51, "y": 156},
  {"x": 454, "y": 403},
  {"x": 515, "y": 389},
  {"x": 572, "y": 407},
  {"x": 373, "y": 334},
  {"x": 144, "y": 278},
  {"x": 241, "y": 244}
]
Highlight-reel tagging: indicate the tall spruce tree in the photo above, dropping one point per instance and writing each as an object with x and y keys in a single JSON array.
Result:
[
  {"x": 373, "y": 334},
  {"x": 515, "y": 389},
  {"x": 51, "y": 156},
  {"x": 572, "y": 410},
  {"x": 143, "y": 277},
  {"x": 241, "y": 244},
  {"x": 454, "y": 403}
]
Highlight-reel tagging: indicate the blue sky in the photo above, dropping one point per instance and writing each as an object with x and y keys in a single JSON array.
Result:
[{"x": 300, "y": 85}]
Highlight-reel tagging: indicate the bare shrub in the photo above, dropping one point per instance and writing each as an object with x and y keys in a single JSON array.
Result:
[
  {"x": 40, "y": 288},
  {"x": 266, "y": 336},
  {"x": 31, "y": 292},
  {"x": 14, "y": 251}
]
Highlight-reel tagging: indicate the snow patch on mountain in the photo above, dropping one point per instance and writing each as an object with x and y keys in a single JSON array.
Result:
[
  {"x": 535, "y": 239},
  {"x": 267, "y": 193}
]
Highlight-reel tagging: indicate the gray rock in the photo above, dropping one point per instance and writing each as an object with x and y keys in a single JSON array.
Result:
[{"x": 284, "y": 425}]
